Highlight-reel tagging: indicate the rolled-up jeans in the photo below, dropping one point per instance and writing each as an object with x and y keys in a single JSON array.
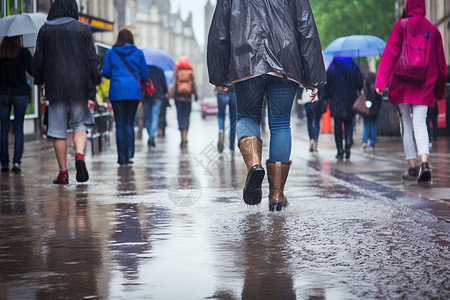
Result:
[{"x": 280, "y": 93}]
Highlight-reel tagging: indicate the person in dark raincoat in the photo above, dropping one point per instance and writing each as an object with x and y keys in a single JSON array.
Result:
[
  {"x": 344, "y": 81},
  {"x": 413, "y": 99},
  {"x": 370, "y": 121},
  {"x": 125, "y": 90},
  {"x": 266, "y": 48},
  {"x": 66, "y": 63}
]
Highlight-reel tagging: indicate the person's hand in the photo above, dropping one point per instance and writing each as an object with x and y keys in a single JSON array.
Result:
[
  {"x": 91, "y": 104},
  {"x": 379, "y": 92},
  {"x": 222, "y": 89},
  {"x": 313, "y": 95}
]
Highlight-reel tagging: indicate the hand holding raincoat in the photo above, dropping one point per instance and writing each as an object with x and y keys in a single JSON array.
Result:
[
  {"x": 248, "y": 38},
  {"x": 401, "y": 91}
]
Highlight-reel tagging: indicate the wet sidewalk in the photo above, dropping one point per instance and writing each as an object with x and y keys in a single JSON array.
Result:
[{"x": 173, "y": 225}]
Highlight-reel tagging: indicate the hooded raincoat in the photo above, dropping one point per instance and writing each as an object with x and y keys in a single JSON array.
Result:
[
  {"x": 254, "y": 37},
  {"x": 123, "y": 85},
  {"x": 65, "y": 59},
  {"x": 403, "y": 91}
]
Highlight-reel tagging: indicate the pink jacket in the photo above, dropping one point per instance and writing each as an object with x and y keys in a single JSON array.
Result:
[{"x": 434, "y": 85}]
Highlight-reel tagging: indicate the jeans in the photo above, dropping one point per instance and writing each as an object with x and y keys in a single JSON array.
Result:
[
  {"x": 280, "y": 95},
  {"x": 124, "y": 113},
  {"x": 222, "y": 101},
  {"x": 312, "y": 123},
  {"x": 151, "y": 116},
  {"x": 183, "y": 113},
  {"x": 370, "y": 131},
  {"x": 414, "y": 129},
  {"x": 20, "y": 104}
]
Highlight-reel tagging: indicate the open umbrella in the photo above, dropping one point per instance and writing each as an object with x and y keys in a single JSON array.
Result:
[
  {"x": 356, "y": 46},
  {"x": 161, "y": 59},
  {"x": 22, "y": 24}
]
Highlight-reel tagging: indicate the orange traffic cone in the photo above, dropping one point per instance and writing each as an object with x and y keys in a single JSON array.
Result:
[{"x": 326, "y": 122}]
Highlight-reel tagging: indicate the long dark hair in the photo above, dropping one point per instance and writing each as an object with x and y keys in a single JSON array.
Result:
[
  {"x": 10, "y": 46},
  {"x": 125, "y": 36}
]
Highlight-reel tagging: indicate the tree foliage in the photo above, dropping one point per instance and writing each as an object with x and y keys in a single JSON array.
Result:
[{"x": 337, "y": 18}]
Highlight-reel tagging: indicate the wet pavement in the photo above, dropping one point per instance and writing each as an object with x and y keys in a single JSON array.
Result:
[{"x": 173, "y": 225}]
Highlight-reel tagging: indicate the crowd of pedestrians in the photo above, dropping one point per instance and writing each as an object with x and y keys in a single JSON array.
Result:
[{"x": 247, "y": 79}]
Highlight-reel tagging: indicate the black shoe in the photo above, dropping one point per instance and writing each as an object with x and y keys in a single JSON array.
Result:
[
  {"x": 5, "y": 170},
  {"x": 252, "y": 190},
  {"x": 411, "y": 174},
  {"x": 151, "y": 142},
  {"x": 347, "y": 154},
  {"x": 340, "y": 155},
  {"x": 424, "y": 173},
  {"x": 16, "y": 168}
]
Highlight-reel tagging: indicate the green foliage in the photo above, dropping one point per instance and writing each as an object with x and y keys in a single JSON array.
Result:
[{"x": 337, "y": 18}]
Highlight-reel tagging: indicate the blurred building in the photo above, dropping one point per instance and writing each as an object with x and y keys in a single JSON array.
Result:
[{"x": 438, "y": 12}]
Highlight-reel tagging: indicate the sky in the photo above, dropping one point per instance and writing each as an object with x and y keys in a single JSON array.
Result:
[{"x": 198, "y": 15}]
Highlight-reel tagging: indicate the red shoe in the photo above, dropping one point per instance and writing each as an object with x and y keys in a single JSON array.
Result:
[
  {"x": 80, "y": 165},
  {"x": 63, "y": 178}
]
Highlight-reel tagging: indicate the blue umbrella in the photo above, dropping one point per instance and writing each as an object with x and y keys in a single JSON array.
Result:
[
  {"x": 356, "y": 46},
  {"x": 161, "y": 59}
]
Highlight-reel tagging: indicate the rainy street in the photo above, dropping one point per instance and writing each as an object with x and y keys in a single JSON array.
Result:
[{"x": 173, "y": 224}]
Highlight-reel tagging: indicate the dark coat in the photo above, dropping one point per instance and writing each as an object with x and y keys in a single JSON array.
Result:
[
  {"x": 344, "y": 81},
  {"x": 13, "y": 80},
  {"x": 65, "y": 59},
  {"x": 255, "y": 37},
  {"x": 373, "y": 97},
  {"x": 158, "y": 78}
]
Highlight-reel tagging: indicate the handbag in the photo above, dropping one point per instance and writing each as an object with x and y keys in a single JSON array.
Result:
[
  {"x": 359, "y": 106},
  {"x": 147, "y": 86}
]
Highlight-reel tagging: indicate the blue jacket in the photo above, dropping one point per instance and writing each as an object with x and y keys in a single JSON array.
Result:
[{"x": 123, "y": 85}]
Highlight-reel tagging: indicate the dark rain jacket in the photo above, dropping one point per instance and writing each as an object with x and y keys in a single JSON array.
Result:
[
  {"x": 158, "y": 78},
  {"x": 344, "y": 81},
  {"x": 65, "y": 59},
  {"x": 254, "y": 37}
]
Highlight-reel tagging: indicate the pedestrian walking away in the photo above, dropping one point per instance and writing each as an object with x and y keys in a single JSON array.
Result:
[
  {"x": 182, "y": 90},
  {"x": 414, "y": 86},
  {"x": 344, "y": 81},
  {"x": 224, "y": 100},
  {"x": 314, "y": 111},
  {"x": 240, "y": 52},
  {"x": 123, "y": 63},
  {"x": 15, "y": 92},
  {"x": 152, "y": 105},
  {"x": 373, "y": 101},
  {"x": 66, "y": 63}
]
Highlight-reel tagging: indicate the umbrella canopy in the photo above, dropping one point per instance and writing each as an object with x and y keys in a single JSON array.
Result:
[
  {"x": 22, "y": 24},
  {"x": 356, "y": 46},
  {"x": 161, "y": 59}
]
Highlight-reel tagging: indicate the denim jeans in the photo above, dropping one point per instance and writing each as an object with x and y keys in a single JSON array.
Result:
[
  {"x": 183, "y": 113},
  {"x": 151, "y": 115},
  {"x": 222, "y": 101},
  {"x": 20, "y": 104},
  {"x": 280, "y": 95},
  {"x": 370, "y": 131},
  {"x": 124, "y": 113},
  {"x": 313, "y": 124}
]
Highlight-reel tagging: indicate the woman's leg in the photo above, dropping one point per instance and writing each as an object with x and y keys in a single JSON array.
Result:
[
  {"x": 316, "y": 132},
  {"x": 420, "y": 131},
  {"x": 147, "y": 106},
  {"x": 20, "y": 104},
  {"x": 5, "y": 113},
  {"x": 408, "y": 134},
  {"x": 373, "y": 132},
  {"x": 366, "y": 130},
  {"x": 130, "y": 110},
  {"x": 156, "y": 108},
  {"x": 221, "y": 105},
  {"x": 121, "y": 132}
]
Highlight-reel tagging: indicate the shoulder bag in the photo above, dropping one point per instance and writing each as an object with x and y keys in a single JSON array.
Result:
[
  {"x": 359, "y": 106},
  {"x": 147, "y": 86}
]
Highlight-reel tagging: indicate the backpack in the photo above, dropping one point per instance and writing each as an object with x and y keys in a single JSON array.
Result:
[
  {"x": 412, "y": 64},
  {"x": 184, "y": 82}
]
